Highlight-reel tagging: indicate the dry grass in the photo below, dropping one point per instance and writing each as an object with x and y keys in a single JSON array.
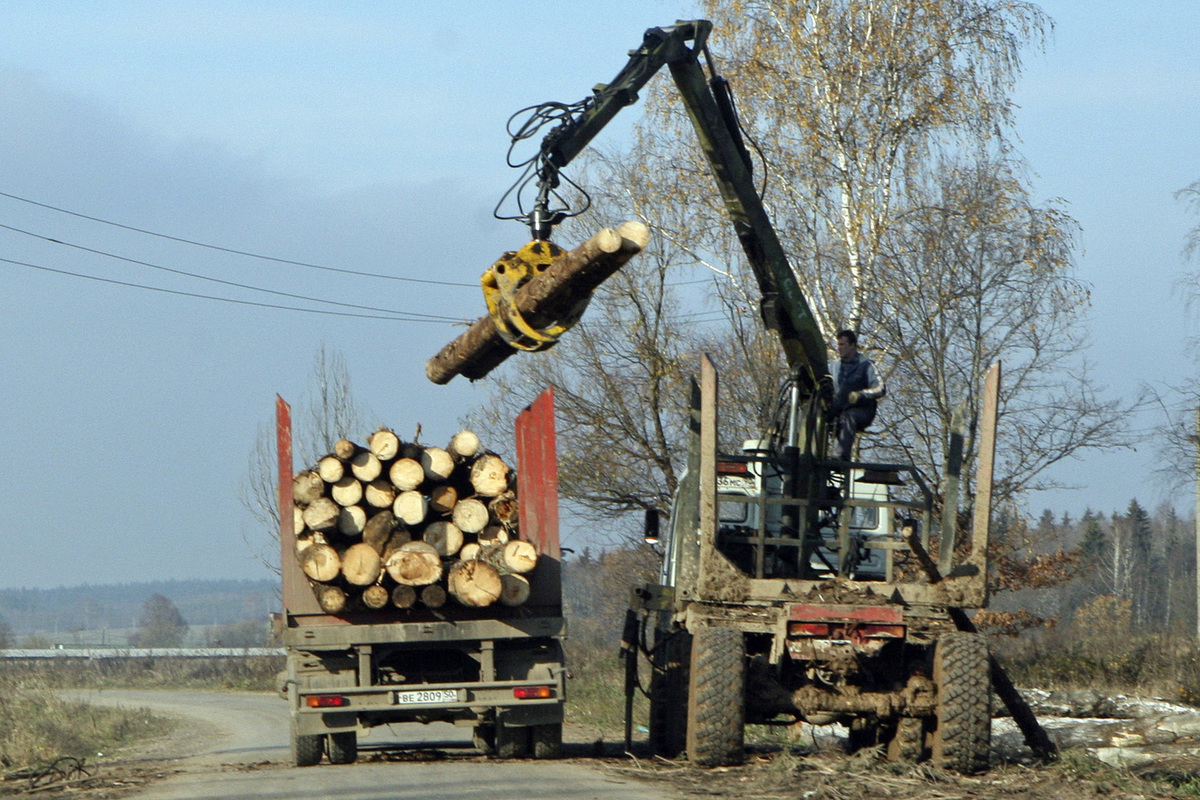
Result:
[{"x": 248, "y": 674}]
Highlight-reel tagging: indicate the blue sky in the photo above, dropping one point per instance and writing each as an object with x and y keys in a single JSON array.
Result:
[{"x": 370, "y": 136}]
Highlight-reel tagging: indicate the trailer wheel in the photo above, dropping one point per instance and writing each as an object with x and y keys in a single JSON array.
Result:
[
  {"x": 547, "y": 740},
  {"x": 669, "y": 696},
  {"x": 716, "y": 719},
  {"x": 962, "y": 739},
  {"x": 511, "y": 741},
  {"x": 306, "y": 750},
  {"x": 343, "y": 748}
]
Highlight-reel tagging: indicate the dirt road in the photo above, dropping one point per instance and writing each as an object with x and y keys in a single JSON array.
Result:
[{"x": 232, "y": 745}]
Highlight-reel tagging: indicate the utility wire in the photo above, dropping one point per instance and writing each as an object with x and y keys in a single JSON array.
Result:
[
  {"x": 218, "y": 299},
  {"x": 231, "y": 250},
  {"x": 434, "y": 317}
]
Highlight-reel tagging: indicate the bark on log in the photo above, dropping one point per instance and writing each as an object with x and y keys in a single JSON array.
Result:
[
  {"x": 307, "y": 486},
  {"x": 415, "y": 564},
  {"x": 345, "y": 449},
  {"x": 384, "y": 443},
  {"x": 331, "y": 468},
  {"x": 444, "y": 536},
  {"x": 361, "y": 565},
  {"x": 347, "y": 492},
  {"x": 410, "y": 508},
  {"x": 489, "y": 475},
  {"x": 331, "y": 599},
  {"x": 320, "y": 562},
  {"x": 366, "y": 466},
  {"x": 474, "y": 583},
  {"x": 433, "y": 596},
  {"x": 378, "y": 530},
  {"x": 400, "y": 537},
  {"x": 406, "y": 474},
  {"x": 544, "y": 300},
  {"x": 404, "y": 596},
  {"x": 514, "y": 590},
  {"x": 437, "y": 463},
  {"x": 376, "y": 597},
  {"x": 504, "y": 508},
  {"x": 442, "y": 499},
  {"x": 470, "y": 515},
  {"x": 520, "y": 556},
  {"x": 380, "y": 493},
  {"x": 322, "y": 514},
  {"x": 351, "y": 521},
  {"x": 463, "y": 445}
]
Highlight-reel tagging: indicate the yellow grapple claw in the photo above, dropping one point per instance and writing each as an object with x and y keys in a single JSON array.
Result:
[{"x": 505, "y": 278}]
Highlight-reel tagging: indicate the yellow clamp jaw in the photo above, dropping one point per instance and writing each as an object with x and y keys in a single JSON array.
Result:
[{"x": 505, "y": 278}]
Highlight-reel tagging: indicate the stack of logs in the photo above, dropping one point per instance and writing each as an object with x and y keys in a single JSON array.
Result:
[{"x": 399, "y": 524}]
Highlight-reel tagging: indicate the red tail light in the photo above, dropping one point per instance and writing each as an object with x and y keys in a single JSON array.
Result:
[
  {"x": 533, "y": 692},
  {"x": 326, "y": 701}
]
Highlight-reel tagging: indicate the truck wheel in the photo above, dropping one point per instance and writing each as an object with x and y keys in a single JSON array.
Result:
[
  {"x": 343, "y": 748},
  {"x": 716, "y": 718},
  {"x": 484, "y": 739},
  {"x": 511, "y": 741},
  {"x": 547, "y": 740},
  {"x": 907, "y": 742},
  {"x": 962, "y": 739},
  {"x": 669, "y": 696},
  {"x": 306, "y": 750}
]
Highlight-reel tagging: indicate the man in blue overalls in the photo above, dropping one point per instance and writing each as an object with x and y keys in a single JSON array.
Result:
[{"x": 857, "y": 389}]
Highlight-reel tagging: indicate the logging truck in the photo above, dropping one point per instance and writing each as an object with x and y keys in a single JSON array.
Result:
[
  {"x": 796, "y": 587},
  {"x": 423, "y": 584}
]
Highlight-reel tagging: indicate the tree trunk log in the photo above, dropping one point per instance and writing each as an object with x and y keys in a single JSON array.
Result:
[
  {"x": 380, "y": 493},
  {"x": 463, "y": 445},
  {"x": 443, "y": 498},
  {"x": 378, "y": 530},
  {"x": 307, "y": 486},
  {"x": 474, "y": 583},
  {"x": 549, "y": 297},
  {"x": 489, "y": 475},
  {"x": 433, "y": 596},
  {"x": 320, "y": 562},
  {"x": 351, "y": 521},
  {"x": 415, "y": 564},
  {"x": 384, "y": 443},
  {"x": 437, "y": 463},
  {"x": 520, "y": 556},
  {"x": 331, "y": 468},
  {"x": 366, "y": 466},
  {"x": 406, "y": 474},
  {"x": 470, "y": 515},
  {"x": 297, "y": 520},
  {"x": 404, "y": 596},
  {"x": 376, "y": 597},
  {"x": 493, "y": 535},
  {"x": 446, "y": 538},
  {"x": 504, "y": 508},
  {"x": 331, "y": 599},
  {"x": 410, "y": 508},
  {"x": 345, "y": 449},
  {"x": 347, "y": 492},
  {"x": 322, "y": 514},
  {"x": 469, "y": 551},
  {"x": 514, "y": 589},
  {"x": 361, "y": 565}
]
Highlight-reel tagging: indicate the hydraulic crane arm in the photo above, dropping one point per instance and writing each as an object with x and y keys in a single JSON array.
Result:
[{"x": 785, "y": 309}]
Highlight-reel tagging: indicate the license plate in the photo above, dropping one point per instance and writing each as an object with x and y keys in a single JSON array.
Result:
[{"x": 425, "y": 696}]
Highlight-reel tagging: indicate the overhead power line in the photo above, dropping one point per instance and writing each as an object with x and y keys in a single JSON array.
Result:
[
  {"x": 231, "y": 250},
  {"x": 256, "y": 304}
]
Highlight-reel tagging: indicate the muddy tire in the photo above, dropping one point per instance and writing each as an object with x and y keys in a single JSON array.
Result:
[
  {"x": 343, "y": 748},
  {"x": 962, "y": 738},
  {"x": 669, "y": 696},
  {"x": 907, "y": 742},
  {"x": 511, "y": 741},
  {"x": 716, "y": 718},
  {"x": 546, "y": 740},
  {"x": 306, "y": 750}
]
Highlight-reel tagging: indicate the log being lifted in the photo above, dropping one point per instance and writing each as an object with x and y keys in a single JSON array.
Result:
[{"x": 544, "y": 300}]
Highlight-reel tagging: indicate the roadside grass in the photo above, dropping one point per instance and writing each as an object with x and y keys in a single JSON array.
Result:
[
  {"x": 40, "y": 726},
  {"x": 243, "y": 674}
]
